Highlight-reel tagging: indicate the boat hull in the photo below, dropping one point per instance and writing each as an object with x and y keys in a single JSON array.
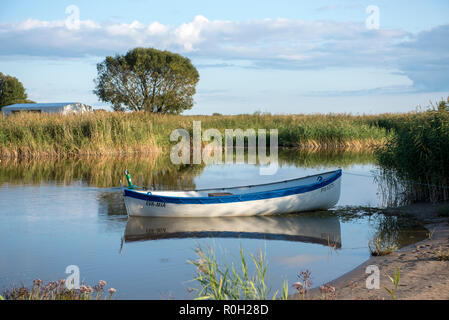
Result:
[{"x": 318, "y": 196}]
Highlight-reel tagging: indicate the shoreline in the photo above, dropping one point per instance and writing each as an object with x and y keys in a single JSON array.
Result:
[
  {"x": 422, "y": 275},
  {"x": 309, "y": 146}
]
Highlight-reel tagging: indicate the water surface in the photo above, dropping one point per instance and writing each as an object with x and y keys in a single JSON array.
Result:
[{"x": 70, "y": 212}]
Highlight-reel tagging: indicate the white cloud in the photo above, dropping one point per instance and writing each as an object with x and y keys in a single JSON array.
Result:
[
  {"x": 263, "y": 43},
  {"x": 189, "y": 34},
  {"x": 34, "y": 24},
  {"x": 265, "y": 38},
  {"x": 133, "y": 29},
  {"x": 157, "y": 28}
]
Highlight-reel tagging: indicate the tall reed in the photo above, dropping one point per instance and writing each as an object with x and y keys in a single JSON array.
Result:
[
  {"x": 31, "y": 135},
  {"x": 418, "y": 155}
]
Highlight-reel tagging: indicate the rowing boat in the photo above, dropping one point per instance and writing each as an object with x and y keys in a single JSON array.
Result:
[{"x": 314, "y": 192}]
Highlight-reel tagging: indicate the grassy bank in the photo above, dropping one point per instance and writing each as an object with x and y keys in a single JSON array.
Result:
[{"x": 34, "y": 135}]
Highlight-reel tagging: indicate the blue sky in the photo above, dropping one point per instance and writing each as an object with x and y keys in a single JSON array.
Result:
[{"x": 269, "y": 56}]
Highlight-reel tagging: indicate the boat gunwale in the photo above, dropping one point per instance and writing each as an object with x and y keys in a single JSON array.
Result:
[{"x": 269, "y": 183}]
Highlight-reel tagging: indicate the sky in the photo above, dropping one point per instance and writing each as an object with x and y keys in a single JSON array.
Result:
[{"x": 324, "y": 56}]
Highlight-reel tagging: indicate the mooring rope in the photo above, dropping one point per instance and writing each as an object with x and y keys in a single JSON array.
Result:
[
  {"x": 409, "y": 181},
  {"x": 359, "y": 174}
]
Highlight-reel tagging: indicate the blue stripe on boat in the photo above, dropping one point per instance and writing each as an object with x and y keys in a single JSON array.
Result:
[{"x": 235, "y": 198}]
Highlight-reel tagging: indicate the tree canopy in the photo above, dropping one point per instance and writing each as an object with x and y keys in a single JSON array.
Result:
[
  {"x": 146, "y": 79},
  {"x": 11, "y": 91}
]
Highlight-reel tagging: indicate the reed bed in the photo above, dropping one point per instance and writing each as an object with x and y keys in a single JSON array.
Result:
[
  {"x": 43, "y": 135},
  {"x": 416, "y": 158},
  {"x": 38, "y": 135},
  {"x": 318, "y": 131}
]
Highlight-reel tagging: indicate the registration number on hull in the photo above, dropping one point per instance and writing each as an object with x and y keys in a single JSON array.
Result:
[{"x": 155, "y": 204}]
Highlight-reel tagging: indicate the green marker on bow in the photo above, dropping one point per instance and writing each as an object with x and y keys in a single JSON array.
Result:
[{"x": 128, "y": 178}]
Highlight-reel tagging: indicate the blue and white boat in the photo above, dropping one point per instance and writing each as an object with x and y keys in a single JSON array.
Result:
[{"x": 315, "y": 192}]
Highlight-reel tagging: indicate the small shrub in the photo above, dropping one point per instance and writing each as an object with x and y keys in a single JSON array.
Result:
[
  {"x": 442, "y": 255},
  {"x": 381, "y": 247}
]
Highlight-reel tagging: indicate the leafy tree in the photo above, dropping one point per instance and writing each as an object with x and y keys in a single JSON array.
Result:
[
  {"x": 11, "y": 91},
  {"x": 146, "y": 79}
]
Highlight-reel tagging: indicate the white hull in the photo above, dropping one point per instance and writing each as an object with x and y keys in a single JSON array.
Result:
[{"x": 157, "y": 206}]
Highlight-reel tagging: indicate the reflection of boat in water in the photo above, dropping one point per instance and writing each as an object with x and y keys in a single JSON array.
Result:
[
  {"x": 294, "y": 227},
  {"x": 320, "y": 191}
]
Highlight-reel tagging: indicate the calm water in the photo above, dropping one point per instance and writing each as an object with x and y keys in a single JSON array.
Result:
[{"x": 59, "y": 213}]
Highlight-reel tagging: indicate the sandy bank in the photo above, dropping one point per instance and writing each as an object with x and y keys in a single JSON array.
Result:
[{"x": 422, "y": 275}]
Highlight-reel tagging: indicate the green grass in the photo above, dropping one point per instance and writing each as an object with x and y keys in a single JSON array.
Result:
[
  {"x": 228, "y": 282},
  {"x": 395, "y": 281}
]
